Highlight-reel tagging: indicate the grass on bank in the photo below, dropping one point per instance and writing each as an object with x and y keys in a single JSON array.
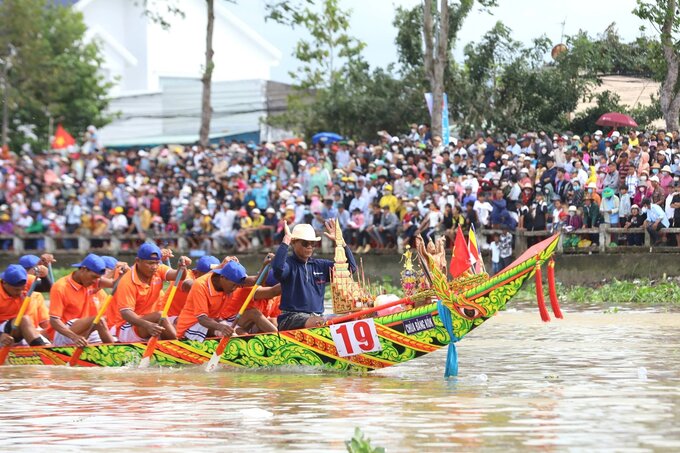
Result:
[{"x": 638, "y": 291}]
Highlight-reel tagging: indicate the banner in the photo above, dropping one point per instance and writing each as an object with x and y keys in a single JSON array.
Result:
[{"x": 445, "y": 115}]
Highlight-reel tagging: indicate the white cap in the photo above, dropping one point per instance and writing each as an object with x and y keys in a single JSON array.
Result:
[
  {"x": 616, "y": 134},
  {"x": 598, "y": 132},
  {"x": 654, "y": 179},
  {"x": 270, "y": 211},
  {"x": 205, "y": 212},
  {"x": 505, "y": 156},
  {"x": 256, "y": 211}
]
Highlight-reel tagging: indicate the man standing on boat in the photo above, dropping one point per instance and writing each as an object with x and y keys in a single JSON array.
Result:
[
  {"x": 303, "y": 278},
  {"x": 74, "y": 301},
  {"x": 135, "y": 309}
]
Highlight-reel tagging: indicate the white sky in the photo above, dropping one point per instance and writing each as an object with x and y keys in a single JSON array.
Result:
[{"x": 528, "y": 19}]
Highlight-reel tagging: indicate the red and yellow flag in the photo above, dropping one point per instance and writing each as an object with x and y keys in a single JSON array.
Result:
[
  {"x": 460, "y": 258},
  {"x": 62, "y": 139},
  {"x": 474, "y": 251}
]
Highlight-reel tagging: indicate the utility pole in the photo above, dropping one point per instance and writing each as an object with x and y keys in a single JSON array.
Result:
[{"x": 6, "y": 66}]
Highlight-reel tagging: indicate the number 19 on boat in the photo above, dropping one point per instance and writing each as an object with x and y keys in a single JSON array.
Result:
[{"x": 357, "y": 337}]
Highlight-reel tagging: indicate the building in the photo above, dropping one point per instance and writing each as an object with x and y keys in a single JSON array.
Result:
[{"x": 156, "y": 72}]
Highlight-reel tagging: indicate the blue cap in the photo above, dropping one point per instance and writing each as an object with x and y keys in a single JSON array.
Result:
[
  {"x": 14, "y": 275},
  {"x": 109, "y": 261},
  {"x": 203, "y": 264},
  {"x": 92, "y": 262},
  {"x": 271, "y": 280},
  {"x": 29, "y": 261},
  {"x": 232, "y": 271},
  {"x": 146, "y": 252}
]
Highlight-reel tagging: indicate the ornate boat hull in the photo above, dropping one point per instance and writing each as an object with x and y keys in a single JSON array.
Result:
[{"x": 315, "y": 346}]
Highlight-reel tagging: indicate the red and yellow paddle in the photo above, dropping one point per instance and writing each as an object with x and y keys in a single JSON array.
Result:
[
  {"x": 102, "y": 309},
  {"x": 151, "y": 345},
  {"x": 215, "y": 359},
  {"x": 17, "y": 321}
]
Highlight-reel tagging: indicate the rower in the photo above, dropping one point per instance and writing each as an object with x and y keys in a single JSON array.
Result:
[
  {"x": 203, "y": 265},
  {"x": 200, "y": 317},
  {"x": 12, "y": 283},
  {"x": 269, "y": 306},
  {"x": 36, "y": 267},
  {"x": 303, "y": 278},
  {"x": 74, "y": 301},
  {"x": 135, "y": 309}
]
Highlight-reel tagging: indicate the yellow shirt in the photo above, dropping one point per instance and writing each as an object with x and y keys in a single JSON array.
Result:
[{"x": 391, "y": 201}]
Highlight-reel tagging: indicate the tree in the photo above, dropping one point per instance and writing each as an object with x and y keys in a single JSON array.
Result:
[
  {"x": 54, "y": 73},
  {"x": 440, "y": 27},
  {"x": 662, "y": 14},
  {"x": 325, "y": 55},
  {"x": 206, "y": 108}
]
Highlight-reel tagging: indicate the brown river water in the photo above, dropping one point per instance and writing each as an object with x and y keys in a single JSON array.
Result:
[{"x": 594, "y": 381}]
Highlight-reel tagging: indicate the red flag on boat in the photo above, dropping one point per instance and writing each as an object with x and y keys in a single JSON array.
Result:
[
  {"x": 460, "y": 258},
  {"x": 62, "y": 139}
]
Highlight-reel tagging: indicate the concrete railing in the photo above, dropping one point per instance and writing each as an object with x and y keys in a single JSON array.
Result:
[{"x": 28, "y": 243}]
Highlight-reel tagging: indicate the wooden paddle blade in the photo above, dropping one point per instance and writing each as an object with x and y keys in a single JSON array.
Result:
[
  {"x": 148, "y": 352},
  {"x": 74, "y": 358},
  {"x": 215, "y": 359},
  {"x": 4, "y": 352}
]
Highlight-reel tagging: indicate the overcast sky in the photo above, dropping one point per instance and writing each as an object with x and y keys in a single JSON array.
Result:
[{"x": 372, "y": 23}]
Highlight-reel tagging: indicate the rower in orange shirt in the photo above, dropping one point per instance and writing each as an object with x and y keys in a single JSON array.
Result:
[
  {"x": 270, "y": 306},
  {"x": 37, "y": 267},
  {"x": 135, "y": 309},
  {"x": 202, "y": 315},
  {"x": 12, "y": 283},
  {"x": 74, "y": 301},
  {"x": 203, "y": 266}
]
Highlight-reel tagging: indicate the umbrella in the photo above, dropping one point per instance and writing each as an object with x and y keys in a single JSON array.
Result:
[
  {"x": 614, "y": 119},
  {"x": 325, "y": 137}
]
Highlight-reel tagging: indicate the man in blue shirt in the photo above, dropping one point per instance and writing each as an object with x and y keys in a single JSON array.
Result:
[{"x": 303, "y": 278}]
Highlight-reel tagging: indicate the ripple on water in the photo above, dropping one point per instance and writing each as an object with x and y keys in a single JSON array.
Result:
[{"x": 573, "y": 383}]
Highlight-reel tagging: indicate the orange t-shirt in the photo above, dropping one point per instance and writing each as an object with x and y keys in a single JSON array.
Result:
[
  {"x": 38, "y": 310},
  {"x": 71, "y": 300},
  {"x": 9, "y": 306},
  {"x": 268, "y": 307},
  {"x": 29, "y": 281},
  {"x": 235, "y": 301},
  {"x": 133, "y": 294},
  {"x": 203, "y": 299},
  {"x": 180, "y": 296}
]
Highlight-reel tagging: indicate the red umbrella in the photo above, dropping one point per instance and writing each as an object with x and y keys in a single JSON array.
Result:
[{"x": 614, "y": 119}]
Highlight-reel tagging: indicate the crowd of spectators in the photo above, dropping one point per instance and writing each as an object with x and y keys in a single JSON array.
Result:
[{"x": 237, "y": 195}]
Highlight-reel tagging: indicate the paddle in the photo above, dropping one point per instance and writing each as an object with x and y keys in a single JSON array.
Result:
[
  {"x": 49, "y": 269},
  {"x": 151, "y": 345},
  {"x": 76, "y": 354},
  {"x": 17, "y": 321},
  {"x": 215, "y": 359}
]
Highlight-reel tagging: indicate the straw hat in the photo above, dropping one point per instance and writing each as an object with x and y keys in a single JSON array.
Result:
[{"x": 305, "y": 232}]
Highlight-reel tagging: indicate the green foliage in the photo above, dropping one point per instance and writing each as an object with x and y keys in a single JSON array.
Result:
[
  {"x": 642, "y": 292},
  {"x": 54, "y": 72},
  {"x": 360, "y": 444},
  {"x": 608, "y": 101},
  {"x": 327, "y": 56}
]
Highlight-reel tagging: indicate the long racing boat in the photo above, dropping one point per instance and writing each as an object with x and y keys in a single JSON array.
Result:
[{"x": 363, "y": 344}]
